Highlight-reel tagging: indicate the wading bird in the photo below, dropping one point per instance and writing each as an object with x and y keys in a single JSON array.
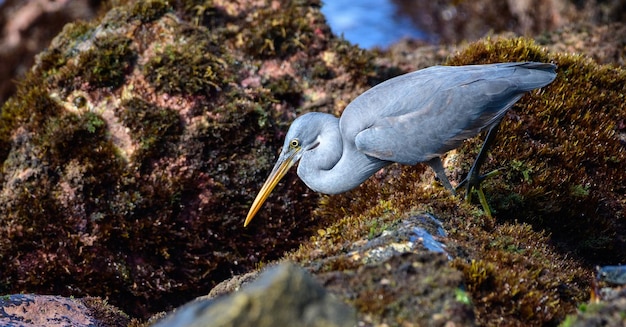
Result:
[{"x": 408, "y": 119}]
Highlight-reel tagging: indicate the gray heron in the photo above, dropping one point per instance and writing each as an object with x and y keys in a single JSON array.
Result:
[{"x": 412, "y": 118}]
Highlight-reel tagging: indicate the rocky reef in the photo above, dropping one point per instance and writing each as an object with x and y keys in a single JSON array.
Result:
[
  {"x": 134, "y": 146},
  {"x": 137, "y": 141}
]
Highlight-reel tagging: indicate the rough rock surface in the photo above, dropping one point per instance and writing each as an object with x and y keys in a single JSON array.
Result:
[
  {"x": 451, "y": 22},
  {"x": 400, "y": 274},
  {"x": 604, "y": 43},
  {"x": 29, "y": 310},
  {"x": 138, "y": 140},
  {"x": 134, "y": 146},
  {"x": 283, "y": 295}
]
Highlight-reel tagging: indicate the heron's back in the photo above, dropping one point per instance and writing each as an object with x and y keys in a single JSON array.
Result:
[{"x": 420, "y": 115}]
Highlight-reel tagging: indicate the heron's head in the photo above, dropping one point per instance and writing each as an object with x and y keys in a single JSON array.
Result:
[{"x": 303, "y": 135}]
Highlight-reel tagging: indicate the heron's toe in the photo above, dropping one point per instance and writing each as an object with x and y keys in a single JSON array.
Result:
[{"x": 472, "y": 183}]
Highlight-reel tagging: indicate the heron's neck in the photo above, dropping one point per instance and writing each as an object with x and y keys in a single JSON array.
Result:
[{"x": 336, "y": 166}]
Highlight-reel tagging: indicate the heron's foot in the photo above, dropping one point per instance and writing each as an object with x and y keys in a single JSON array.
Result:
[{"x": 473, "y": 183}]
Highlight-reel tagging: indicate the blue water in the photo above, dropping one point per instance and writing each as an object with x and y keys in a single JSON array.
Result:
[{"x": 369, "y": 23}]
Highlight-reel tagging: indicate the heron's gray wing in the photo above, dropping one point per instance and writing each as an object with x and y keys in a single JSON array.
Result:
[{"x": 421, "y": 115}]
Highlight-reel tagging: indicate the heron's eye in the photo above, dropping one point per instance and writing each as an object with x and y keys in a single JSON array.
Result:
[{"x": 294, "y": 143}]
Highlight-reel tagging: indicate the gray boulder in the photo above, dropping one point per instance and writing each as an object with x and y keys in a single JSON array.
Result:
[{"x": 283, "y": 295}]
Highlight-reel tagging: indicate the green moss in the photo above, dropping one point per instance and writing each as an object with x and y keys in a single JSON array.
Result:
[
  {"x": 196, "y": 65},
  {"x": 356, "y": 61},
  {"x": 31, "y": 105},
  {"x": 285, "y": 89},
  {"x": 94, "y": 122},
  {"x": 605, "y": 313},
  {"x": 519, "y": 170},
  {"x": 149, "y": 10},
  {"x": 389, "y": 292},
  {"x": 83, "y": 136},
  {"x": 151, "y": 127},
  {"x": 566, "y": 135},
  {"x": 320, "y": 70},
  {"x": 83, "y": 219},
  {"x": 121, "y": 12},
  {"x": 104, "y": 64},
  {"x": 479, "y": 275},
  {"x": 569, "y": 321},
  {"x": 376, "y": 227},
  {"x": 579, "y": 190},
  {"x": 206, "y": 13},
  {"x": 108, "y": 62},
  {"x": 57, "y": 56},
  {"x": 539, "y": 286},
  {"x": 272, "y": 35},
  {"x": 500, "y": 50},
  {"x": 462, "y": 296},
  {"x": 105, "y": 313}
]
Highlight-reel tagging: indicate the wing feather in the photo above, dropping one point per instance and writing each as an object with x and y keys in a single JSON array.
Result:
[{"x": 418, "y": 116}]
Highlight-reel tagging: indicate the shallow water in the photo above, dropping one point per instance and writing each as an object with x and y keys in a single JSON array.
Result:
[{"x": 369, "y": 23}]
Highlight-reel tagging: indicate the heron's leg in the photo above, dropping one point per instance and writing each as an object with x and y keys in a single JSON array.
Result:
[
  {"x": 437, "y": 166},
  {"x": 474, "y": 179}
]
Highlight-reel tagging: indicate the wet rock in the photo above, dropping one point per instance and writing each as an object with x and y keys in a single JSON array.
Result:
[
  {"x": 612, "y": 274},
  {"x": 284, "y": 295}
]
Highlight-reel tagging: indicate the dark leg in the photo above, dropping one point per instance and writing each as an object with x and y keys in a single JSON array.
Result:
[
  {"x": 474, "y": 178},
  {"x": 437, "y": 166}
]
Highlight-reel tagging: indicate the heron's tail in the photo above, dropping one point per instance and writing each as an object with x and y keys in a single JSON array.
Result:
[{"x": 532, "y": 75}]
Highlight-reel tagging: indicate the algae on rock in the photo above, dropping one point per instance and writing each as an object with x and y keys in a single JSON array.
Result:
[{"x": 131, "y": 150}]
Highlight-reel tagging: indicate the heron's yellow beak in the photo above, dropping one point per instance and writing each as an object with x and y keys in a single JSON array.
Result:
[{"x": 280, "y": 169}]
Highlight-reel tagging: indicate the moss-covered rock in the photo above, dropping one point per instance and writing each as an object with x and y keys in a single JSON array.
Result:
[
  {"x": 562, "y": 152},
  {"x": 558, "y": 201},
  {"x": 133, "y": 148}
]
